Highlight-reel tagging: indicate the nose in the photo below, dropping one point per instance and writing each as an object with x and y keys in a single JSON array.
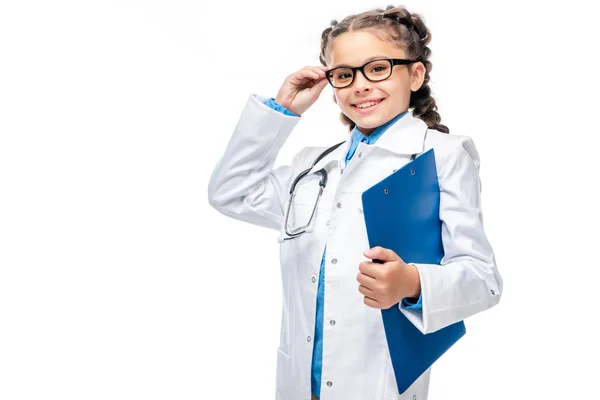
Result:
[{"x": 361, "y": 83}]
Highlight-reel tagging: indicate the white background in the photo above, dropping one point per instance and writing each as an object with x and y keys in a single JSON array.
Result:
[{"x": 117, "y": 279}]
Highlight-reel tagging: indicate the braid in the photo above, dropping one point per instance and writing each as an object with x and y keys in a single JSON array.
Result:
[
  {"x": 410, "y": 33},
  {"x": 325, "y": 43},
  {"x": 422, "y": 101}
]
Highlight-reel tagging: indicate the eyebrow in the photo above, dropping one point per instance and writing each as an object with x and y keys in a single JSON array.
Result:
[{"x": 366, "y": 61}]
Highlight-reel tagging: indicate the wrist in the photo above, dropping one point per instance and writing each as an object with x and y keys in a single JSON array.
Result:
[
  {"x": 286, "y": 106},
  {"x": 415, "y": 279}
]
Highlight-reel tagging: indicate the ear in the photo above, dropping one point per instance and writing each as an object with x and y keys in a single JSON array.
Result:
[{"x": 417, "y": 76}]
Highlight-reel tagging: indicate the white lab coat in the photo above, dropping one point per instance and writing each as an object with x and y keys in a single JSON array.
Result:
[{"x": 356, "y": 363}]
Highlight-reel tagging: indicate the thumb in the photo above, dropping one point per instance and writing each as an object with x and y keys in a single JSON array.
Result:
[
  {"x": 381, "y": 253},
  {"x": 318, "y": 88}
]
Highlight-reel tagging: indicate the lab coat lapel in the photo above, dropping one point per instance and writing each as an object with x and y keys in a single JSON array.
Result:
[
  {"x": 336, "y": 156},
  {"x": 405, "y": 137}
]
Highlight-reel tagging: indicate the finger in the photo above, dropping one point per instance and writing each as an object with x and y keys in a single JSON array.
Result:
[
  {"x": 322, "y": 83},
  {"x": 319, "y": 71},
  {"x": 366, "y": 280},
  {"x": 318, "y": 88},
  {"x": 365, "y": 291},
  {"x": 371, "y": 302},
  {"x": 304, "y": 74},
  {"x": 381, "y": 253},
  {"x": 324, "y": 69},
  {"x": 370, "y": 269}
]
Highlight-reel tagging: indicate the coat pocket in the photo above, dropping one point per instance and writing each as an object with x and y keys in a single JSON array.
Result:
[{"x": 282, "y": 375}]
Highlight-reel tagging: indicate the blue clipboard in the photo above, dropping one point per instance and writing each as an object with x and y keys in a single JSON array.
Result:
[{"x": 402, "y": 214}]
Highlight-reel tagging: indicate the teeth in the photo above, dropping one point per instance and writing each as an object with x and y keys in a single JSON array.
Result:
[{"x": 367, "y": 104}]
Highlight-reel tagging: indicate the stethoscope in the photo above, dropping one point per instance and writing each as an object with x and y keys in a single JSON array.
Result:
[
  {"x": 297, "y": 232},
  {"x": 322, "y": 183}
]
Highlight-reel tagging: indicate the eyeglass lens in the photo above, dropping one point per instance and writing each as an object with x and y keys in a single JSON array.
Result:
[{"x": 376, "y": 71}]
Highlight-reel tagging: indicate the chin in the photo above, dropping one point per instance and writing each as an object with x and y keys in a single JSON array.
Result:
[{"x": 370, "y": 122}]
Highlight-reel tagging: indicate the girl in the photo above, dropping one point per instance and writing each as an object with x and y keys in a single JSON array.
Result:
[{"x": 332, "y": 343}]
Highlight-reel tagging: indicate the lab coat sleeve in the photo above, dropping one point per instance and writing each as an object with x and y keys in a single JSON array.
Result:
[
  {"x": 244, "y": 185},
  {"x": 467, "y": 280}
]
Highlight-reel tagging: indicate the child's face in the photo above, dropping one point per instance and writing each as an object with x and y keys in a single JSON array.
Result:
[{"x": 355, "y": 49}]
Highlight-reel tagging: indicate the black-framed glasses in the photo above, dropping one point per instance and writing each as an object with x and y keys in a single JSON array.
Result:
[{"x": 375, "y": 71}]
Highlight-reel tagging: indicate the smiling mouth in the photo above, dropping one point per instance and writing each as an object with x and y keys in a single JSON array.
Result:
[{"x": 367, "y": 105}]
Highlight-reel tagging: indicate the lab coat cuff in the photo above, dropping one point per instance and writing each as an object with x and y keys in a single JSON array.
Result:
[
  {"x": 278, "y": 107},
  {"x": 410, "y": 304},
  {"x": 415, "y": 312},
  {"x": 266, "y": 102},
  {"x": 436, "y": 313}
]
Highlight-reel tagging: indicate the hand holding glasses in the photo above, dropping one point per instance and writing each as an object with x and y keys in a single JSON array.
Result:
[{"x": 301, "y": 89}]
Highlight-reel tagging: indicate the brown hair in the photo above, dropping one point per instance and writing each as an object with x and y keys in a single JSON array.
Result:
[{"x": 409, "y": 32}]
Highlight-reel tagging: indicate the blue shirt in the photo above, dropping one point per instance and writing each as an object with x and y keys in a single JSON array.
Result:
[{"x": 317, "y": 358}]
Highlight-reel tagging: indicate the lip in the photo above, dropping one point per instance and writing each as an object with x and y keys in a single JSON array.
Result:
[
  {"x": 367, "y": 100},
  {"x": 370, "y": 109}
]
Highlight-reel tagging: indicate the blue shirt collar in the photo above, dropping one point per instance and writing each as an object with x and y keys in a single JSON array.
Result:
[{"x": 358, "y": 137}]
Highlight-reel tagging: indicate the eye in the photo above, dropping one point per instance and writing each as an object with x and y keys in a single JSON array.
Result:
[
  {"x": 377, "y": 68},
  {"x": 344, "y": 75}
]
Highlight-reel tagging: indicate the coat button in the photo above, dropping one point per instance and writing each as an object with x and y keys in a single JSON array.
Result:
[
  {"x": 359, "y": 155},
  {"x": 492, "y": 292},
  {"x": 339, "y": 205},
  {"x": 313, "y": 279},
  {"x": 327, "y": 223},
  {"x": 329, "y": 383},
  {"x": 334, "y": 260},
  {"x": 332, "y": 322},
  {"x": 308, "y": 339}
]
